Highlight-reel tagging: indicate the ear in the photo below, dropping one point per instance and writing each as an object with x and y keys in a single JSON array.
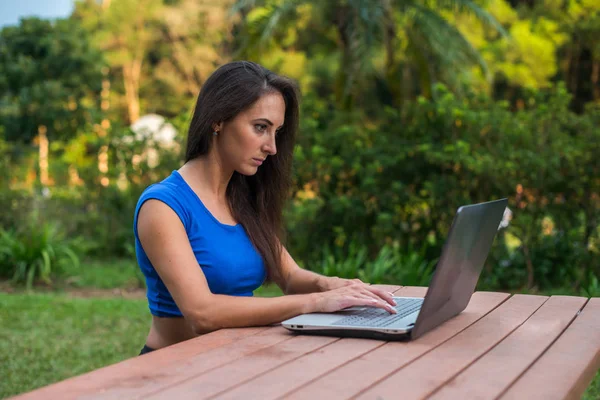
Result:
[{"x": 217, "y": 127}]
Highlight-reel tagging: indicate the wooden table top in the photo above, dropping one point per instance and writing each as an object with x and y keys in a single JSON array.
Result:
[{"x": 502, "y": 346}]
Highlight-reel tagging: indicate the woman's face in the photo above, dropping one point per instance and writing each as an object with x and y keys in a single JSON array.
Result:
[{"x": 248, "y": 139}]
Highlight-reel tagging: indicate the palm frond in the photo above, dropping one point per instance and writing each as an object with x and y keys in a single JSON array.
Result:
[
  {"x": 240, "y": 5},
  {"x": 365, "y": 34},
  {"x": 482, "y": 15},
  {"x": 278, "y": 13},
  {"x": 446, "y": 42},
  {"x": 419, "y": 48}
]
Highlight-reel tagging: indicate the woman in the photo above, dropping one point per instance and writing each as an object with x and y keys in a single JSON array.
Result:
[{"x": 208, "y": 235}]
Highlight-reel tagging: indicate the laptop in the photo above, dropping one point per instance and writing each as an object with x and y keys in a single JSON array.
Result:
[{"x": 454, "y": 280}]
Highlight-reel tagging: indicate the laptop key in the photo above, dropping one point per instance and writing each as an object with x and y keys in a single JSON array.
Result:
[{"x": 376, "y": 317}]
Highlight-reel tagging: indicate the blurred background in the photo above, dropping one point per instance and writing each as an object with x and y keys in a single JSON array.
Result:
[{"x": 411, "y": 108}]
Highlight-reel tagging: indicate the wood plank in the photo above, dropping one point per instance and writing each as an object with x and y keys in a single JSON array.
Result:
[
  {"x": 138, "y": 368},
  {"x": 145, "y": 367},
  {"x": 355, "y": 376},
  {"x": 244, "y": 369},
  {"x": 304, "y": 369},
  {"x": 489, "y": 376},
  {"x": 426, "y": 374},
  {"x": 218, "y": 380},
  {"x": 309, "y": 367},
  {"x": 389, "y": 288},
  {"x": 568, "y": 367},
  {"x": 142, "y": 386}
]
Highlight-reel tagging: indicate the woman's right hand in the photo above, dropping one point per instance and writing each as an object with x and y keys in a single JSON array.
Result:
[{"x": 348, "y": 296}]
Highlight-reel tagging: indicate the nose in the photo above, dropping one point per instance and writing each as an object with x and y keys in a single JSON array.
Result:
[{"x": 270, "y": 146}]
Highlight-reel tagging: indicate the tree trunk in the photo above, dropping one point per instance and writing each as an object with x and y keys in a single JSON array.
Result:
[
  {"x": 596, "y": 79},
  {"x": 104, "y": 126},
  {"x": 43, "y": 148},
  {"x": 347, "y": 64},
  {"x": 529, "y": 264},
  {"x": 190, "y": 75},
  {"x": 131, "y": 80},
  {"x": 391, "y": 70}
]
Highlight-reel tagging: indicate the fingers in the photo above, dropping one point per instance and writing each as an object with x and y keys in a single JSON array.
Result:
[
  {"x": 363, "y": 295},
  {"x": 387, "y": 296},
  {"x": 378, "y": 303},
  {"x": 373, "y": 300}
]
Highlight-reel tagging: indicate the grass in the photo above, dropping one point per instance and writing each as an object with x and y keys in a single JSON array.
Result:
[
  {"x": 48, "y": 337},
  {"x": 593, "y": 390},
  {"x": 45, "y": 338},
  {"x": 51, "y": 336},
  {"x": 103, "y": 274}
]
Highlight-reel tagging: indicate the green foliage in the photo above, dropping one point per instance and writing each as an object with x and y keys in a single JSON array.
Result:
[
  {"x": 402, "y": 180},
  {"x": 49, "y": 76},
  {"x": 373, "y": 186},
  {"x": 33, "y": 252},
  {"x": 360, "y": 32},
  {"x": 391, "y": 264}
]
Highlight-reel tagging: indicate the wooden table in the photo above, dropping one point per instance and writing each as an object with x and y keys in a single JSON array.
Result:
[{"x": 501, "y": 346}]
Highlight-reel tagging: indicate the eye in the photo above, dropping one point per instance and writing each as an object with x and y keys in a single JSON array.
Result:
[{"x": 260, "y": 128}]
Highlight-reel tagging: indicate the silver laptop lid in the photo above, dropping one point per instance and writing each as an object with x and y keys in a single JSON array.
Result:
[{"x": 465, "y": 251}]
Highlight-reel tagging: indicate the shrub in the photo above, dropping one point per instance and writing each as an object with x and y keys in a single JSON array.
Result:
[{"x": 33, "y": 252}]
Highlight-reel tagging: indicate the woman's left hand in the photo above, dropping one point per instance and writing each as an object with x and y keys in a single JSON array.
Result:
[{"x": 335, "y": 283}]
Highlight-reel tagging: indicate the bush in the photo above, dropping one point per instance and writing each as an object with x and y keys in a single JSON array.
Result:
[
  {"x": 392, "y": 264},
  {"x": 372, "y": 191},
  {"x": 35, "y": 251},
  {"x": 400, "y": 176}
]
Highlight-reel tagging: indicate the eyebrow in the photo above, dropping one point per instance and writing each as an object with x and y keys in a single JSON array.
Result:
[{"x": 268, "y": 122}]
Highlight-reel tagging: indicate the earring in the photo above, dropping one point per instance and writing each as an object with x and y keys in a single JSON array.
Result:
[{"x": 215, "y": 133}]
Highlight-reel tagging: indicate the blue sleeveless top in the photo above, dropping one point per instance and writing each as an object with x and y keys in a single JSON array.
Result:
[{"x": 225, "y": 254}]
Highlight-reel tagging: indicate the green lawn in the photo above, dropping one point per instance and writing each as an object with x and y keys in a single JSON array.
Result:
[
  {"x": 48, "y": 337},
  {"x": 103, "y": 274}
]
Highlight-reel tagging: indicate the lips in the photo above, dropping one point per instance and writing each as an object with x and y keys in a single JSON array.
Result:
[{"x": 258, "y": 161}]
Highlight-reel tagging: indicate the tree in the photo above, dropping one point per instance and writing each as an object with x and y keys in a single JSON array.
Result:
[
  {"x": 190, "y": 45},
  {"x": 125, "y": 31},
  {"x": 50, "y": 78},
  {"x": 435, "y": 50}
]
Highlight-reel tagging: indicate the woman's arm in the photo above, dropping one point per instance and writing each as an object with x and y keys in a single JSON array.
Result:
[
  {"x": 298, "y": 280},
  {"x": 166, "y": 244}
]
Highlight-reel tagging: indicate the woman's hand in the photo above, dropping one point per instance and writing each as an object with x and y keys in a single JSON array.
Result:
[
  {"x": 344, "y": 293},
  {"x": 335, "y": 283}
]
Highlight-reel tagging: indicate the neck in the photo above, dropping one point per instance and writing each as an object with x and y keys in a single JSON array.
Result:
[{"x": 208, "y": 174}]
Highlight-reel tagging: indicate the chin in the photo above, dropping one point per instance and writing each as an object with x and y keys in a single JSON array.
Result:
[{"x": 248, "y": 171}]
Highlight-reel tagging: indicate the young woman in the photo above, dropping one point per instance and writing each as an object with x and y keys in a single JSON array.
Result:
[{"x": 208, "y": 235}]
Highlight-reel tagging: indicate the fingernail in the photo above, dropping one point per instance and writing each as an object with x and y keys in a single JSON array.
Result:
[
  {"x": 394, "y": 302},
  {"x": 391, "y": 294}
]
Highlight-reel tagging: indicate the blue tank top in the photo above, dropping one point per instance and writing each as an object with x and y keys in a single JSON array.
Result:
[{"x": 225, "y": 254}]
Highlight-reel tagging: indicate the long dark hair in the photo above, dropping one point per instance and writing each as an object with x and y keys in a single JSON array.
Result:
[{"x": 256, "y": 201}]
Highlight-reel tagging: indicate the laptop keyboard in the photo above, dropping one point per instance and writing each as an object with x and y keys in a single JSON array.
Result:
[{"x": 377, "y": 317}]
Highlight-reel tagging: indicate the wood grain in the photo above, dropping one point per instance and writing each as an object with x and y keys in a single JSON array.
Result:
[
  {"x": 361, "y": 373},
  {"x": 159, "y": 378},
  {"x": 424, "y": 375},
  {"x": 492, "y": 374},
  {"x": 567, "y": 368}
]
